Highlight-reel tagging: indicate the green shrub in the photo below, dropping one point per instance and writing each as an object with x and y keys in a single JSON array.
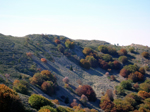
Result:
[
  {"x": 120, "y": 90},
  {"x": 107, "y": 57},
  {"x": 37, "y": 101},
  {"x": 49, "y": 108},
  {"x": 142, "y": 70},
  {"x": 103, "y": 48},
  {"x": 126, "y": 84},
  {"x": 145, "y": 54},
  {"x": 144, "y": 87},
  {"x": 92, "y": 61},
  {"x": 131, "y": 49},
  {"x": 61, "y": 109},
  {"x": 20, "y": 88},
  {"x": 123, "y": 59}
]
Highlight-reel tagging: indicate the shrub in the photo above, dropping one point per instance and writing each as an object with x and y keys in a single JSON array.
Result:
[
  {"x": 57, "y": 41},
  {"x": 60, "y": 48},
  {"x": 44, "y": 110},
  {"x": 92, "y": 61},
  {"x": 131, "y": 49},
  {"x": 83, "y": 99},
  {"x": 29, "y": 54},
  {"x": 9, "y": 100},
  {"x": 48, "y": 87},
  {"x": 117, "y": 65},
  {"x": 56, "y": 101},
  {"x": 131, "y": 68},
  {"x": 143, "y": 94},
  {"x": 131, "y": 101},
  {"x": 123, "y": 59},
  {"x": 87, "y": 91},
  {"x": 103, "y": 48},
  {"x": 112, "y": 77},
  {"x": 69, "y": 44},
  {"x": 15, "y": 82},
  {"x": 66, "y": 80},
  {"x": 43, "y": 60},
  {"x": 37, "y": 101},
  {"x": 107, "y": 57},
  {"x": 103, "y": 64},
  {"x": 144, "y": 87},
  {"x": 47, "y": 75},
  {"x": 87, "y": 51},
  {"x": 49, "y": 108},
  {"x": 124, "y": 72},
  {"x": 140, "y": 76},
  {"x": 74, "y": 103},
  {"x": 136, "y": 86},
  {"x": 122, "y": 105},
  {"x": 84, "y": 63},
  {"x": 37, "y": 79},
  {"x": 142, "y": 70},
  {"x": 133, "y": 77},
  {"x": 123, "y": 52},
  {"x": 126, "y": 84},
  {"x": 109, "y": 93},
  {"x": 120, "y": 90},
  {"x": 111, "y": 64},
  {"x": 112, "y": 51},
  {"x": 145, "y": 54},
  {"x": 61, "y": 109},
  {"x": 107, "y": 105},
  {"x": 147, "y": 68},
  {"x": 20, "y": 88}
]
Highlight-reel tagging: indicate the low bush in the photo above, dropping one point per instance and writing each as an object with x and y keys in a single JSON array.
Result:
[
  {"x": 84, "y": 63},
  {"x": 144, "y": 87},
  {"x": 126, "y": 84},
  {"x": 123, "y": 59},
  {"x": 49, "y": 108},
  {"x": 37, "y": 101},
  {"x": 87, "y": 91},
  {"x": 145, "y": 54},
  {"x": 143, "y": 94}
]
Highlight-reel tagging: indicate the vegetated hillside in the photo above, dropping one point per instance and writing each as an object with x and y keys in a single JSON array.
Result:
[{"x": 73, "y": 63}]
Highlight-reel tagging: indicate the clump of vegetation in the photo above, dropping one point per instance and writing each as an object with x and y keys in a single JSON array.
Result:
[
  {"x": 92, "y": 61},
  {"x": 123, "y": 59},
  {"x": 51, "y": 109},
  {"x": 37, "y": 101},
  {"x": 131, "y": 49},
  {"x": 57, "y": 41},
  {"x": 87, "y": 51},
  {"x": 66, "y": 80},
  {"x": 43, "y": 60},
  {"x": 60, "y": 48},
  {"x": 145, "y": 54},
  {"x": 69, "y": 44},
  {"x": 87, "y": 91},
  {"x": 85, "y": 64},
  {"x": 123, "y": 51},
  {"x": 9, "y": 100},
  {"x": 21, "y": 86}
]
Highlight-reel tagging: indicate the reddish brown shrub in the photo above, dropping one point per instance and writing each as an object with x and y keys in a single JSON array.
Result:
[
  {"x": 87, "y": 91},
  {"x": 74, "y": 103},
  {"x": 140, "y": 76},
  {"x": 143, "y": 94},
  {"x": 48, "y": 87},
  {"x": 103, "y": 64},
  {"x": 142, "y": 70},
  {"x": 43, "y": 60},
  {"x": 106, "y": 104},
  {"x": 136, "y": 86},
  {"x": 29, "y": 54},
  {"x": 117, "y": 65},
  {"x": 124, "y": 72},
  {"x": 145, "y": 54},
  {"x": 107, "y": 74},
  {"x": 123, "y": 51},
  {"x": 57, "y": 41},
  {"x": 66, "y": 80},
  {"x": 133, "y": 77},
  {"x": 112, "y": 77}
]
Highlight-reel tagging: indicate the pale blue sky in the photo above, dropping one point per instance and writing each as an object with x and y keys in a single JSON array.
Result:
[{"x": 114, "y": 21}]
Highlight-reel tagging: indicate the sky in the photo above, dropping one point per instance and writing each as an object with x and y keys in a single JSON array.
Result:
[{"x": 115, "y": 21}]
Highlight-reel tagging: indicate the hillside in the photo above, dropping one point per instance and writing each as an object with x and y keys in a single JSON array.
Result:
[{"x": 21, "y": 58}]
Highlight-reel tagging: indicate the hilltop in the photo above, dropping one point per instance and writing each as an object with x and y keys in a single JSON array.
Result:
[{"x": 23, "y": 57}]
